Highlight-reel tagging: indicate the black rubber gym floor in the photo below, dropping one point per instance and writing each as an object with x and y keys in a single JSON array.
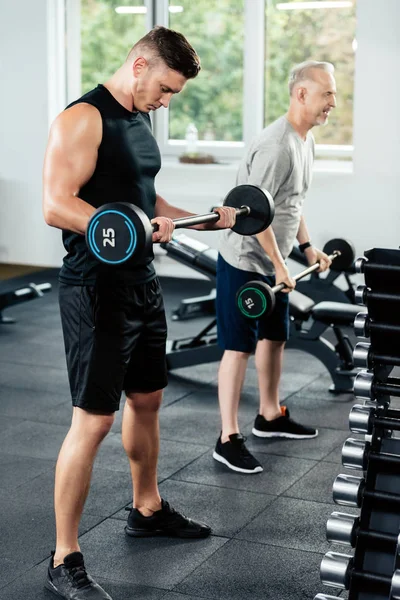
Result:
[{"x": 268, "y": 529}]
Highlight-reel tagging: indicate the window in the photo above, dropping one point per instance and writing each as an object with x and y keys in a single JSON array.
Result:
[
  {"x": 109, "y": 28},
  {"x": 298, "y": 31},
  {"x": 214, "y": 100},
  {"x": 246, "y": 47}
]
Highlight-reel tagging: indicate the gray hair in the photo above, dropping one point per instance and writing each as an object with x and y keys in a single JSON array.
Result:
[{"x": 302, "y": 71}]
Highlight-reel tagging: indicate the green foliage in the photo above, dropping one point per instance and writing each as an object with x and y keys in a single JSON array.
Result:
[
  {"x": 214, "y": 100},
  {"x": 107, "y": 38},
  {"x": 293, "y": 36}
]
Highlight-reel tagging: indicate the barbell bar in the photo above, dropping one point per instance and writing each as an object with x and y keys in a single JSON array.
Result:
[
  {"x": 119, "y": 232},
  {"x": 256, "y": 298}
]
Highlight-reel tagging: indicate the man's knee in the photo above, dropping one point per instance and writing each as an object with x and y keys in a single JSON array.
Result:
[
  {"x": 144, "y": 401},
  {"x": 94, "y": 423},
  {"x": 237, "y": 354}
]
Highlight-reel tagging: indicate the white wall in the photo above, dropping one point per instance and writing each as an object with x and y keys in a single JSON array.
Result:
[
  {"x": 24, "y": 237},
  {"x": 362, "y": 205}
]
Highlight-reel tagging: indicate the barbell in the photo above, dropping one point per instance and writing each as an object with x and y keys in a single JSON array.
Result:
[
  {"x": 367, "y": 387},
  {"x": 339, "y": 570},
  {"x": 342, "y": 528},
  {"x": 363, "y": 419},
  {"x": 119, "y": 232},
  {"x": 256, "y": 298},
  {"x": 350, "y": 490}
]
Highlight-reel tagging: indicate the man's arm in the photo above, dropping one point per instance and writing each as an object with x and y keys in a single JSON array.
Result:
[
  {"x": 165, "y": 211},
  {"x": 313, "y": 255},
  {"x": 70, "y": 161},
  {"x": 269, "y": 169}
]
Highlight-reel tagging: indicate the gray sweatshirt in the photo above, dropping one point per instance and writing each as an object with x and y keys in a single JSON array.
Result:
[{"x": 280, "y": 161}]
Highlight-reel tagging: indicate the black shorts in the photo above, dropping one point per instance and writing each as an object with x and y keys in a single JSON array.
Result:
[
  {"x": 235, "y": 332},
  {"x": 115, "y": 339}
]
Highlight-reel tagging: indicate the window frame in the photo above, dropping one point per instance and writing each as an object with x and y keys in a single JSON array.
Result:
[{"x": 253, "y": 80}]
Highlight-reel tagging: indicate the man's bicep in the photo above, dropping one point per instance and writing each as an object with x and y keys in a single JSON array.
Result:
[
  {"x": 72, "y": 152},
  {"x": 269, "y": 169}
]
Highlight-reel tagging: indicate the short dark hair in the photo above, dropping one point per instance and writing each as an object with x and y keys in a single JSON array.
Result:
[{"x": 172, "y": 47}]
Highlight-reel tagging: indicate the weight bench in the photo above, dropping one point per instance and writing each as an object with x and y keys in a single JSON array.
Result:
[
  {"x": 308, "y": 321},
  {"x": 9, "y": 297}
]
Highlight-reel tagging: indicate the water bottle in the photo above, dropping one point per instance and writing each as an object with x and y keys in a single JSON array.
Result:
[{"x": 191, "y": 138}]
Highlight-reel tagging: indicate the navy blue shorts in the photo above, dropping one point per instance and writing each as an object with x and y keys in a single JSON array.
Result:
[{"x": 235, "y": 332}]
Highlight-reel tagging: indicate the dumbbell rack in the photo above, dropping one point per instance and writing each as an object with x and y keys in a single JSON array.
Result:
[{"x": 372, "y": 572}]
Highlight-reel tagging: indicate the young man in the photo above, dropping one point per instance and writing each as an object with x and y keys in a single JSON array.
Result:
[
  {"x": 101, "y": 150},
  {"x": 280, "y": 159}
]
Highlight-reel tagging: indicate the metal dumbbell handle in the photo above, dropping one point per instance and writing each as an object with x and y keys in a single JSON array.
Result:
[
  {"x": 211, "y": 217},
  {"x": 281, "y": 286}
]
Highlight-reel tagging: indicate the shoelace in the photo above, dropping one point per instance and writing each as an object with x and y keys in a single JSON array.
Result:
[
  {"x": 176, "y": 516},
  {"x": 79, "y": 576},
  {"x": 242, "y": 448}
]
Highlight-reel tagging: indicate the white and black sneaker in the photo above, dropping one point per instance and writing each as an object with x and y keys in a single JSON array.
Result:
[
  {"x": 235, "y": 455},
  {"x": 283, "y": 426}
]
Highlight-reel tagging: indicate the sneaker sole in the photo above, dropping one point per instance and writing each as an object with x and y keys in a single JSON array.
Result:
[
  {"x": 223, "y": 460},
  {"x": 160, "y": 533},
  {"x": 293, "y": 436}
]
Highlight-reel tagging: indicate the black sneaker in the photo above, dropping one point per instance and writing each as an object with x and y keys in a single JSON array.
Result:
[
  {"x": 235, "y": 455},
  {"x": 283, "y": 426},
  {"x": 71, "y": 581},
  {"x": 166, "y": 521}
]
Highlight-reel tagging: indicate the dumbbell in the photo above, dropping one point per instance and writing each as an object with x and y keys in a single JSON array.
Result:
[
  {"x": 363, "y": 294},
  {"x": 367, "y": 388},
  {"x": 257, "y": 298},
  {"x": 119, "y": 232},
  {"x": 338, "y": 570},
  {"x": 363, "y": 419},
  {"x": 363, "y": 326},
  {"x": 356, "y": 454},
  {"x": 349, "y": 490},
  {"x": 362, "y": 265},
  {"x": 342, "y": 528},
  {"x": 366, "y": 358}
]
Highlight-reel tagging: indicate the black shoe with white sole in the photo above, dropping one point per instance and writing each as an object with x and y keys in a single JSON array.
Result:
[
  {"x": 235, "y": 455},
  {"x": 283, "y": 426}
]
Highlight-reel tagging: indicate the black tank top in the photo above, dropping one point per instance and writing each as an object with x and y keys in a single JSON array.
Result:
[{"x": 128, "y": 161}]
